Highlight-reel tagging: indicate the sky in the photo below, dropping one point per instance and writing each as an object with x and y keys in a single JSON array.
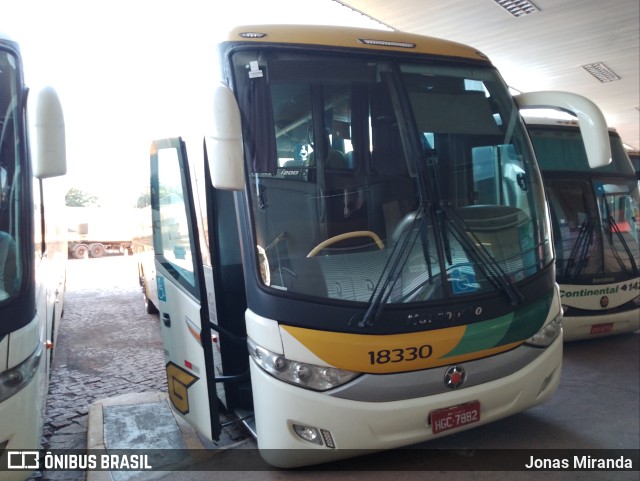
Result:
[{"x": 130, "y": 71}]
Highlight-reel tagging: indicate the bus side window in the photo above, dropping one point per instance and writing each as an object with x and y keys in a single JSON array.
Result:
[{"x": 173, "y": 239}]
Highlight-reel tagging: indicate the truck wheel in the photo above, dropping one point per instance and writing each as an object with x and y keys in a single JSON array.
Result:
[
  {"x": 97, "y": 250},
  {"x": 80, "y": 251}
]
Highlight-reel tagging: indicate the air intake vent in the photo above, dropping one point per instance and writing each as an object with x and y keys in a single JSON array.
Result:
[
  {"x": 601, "y": 72},
  {"x": 518, "y": 8}
]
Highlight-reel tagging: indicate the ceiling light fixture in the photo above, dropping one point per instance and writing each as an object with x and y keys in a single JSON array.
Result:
[
  {"x": 601, "y": 72},
  {"x": 518, "y": 8}
]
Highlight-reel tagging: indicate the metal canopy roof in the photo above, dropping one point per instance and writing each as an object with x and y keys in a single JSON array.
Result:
[{"x": 560, "y": 45}]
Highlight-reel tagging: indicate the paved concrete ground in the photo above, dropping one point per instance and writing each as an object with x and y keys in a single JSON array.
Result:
[
  {"x": 107, "y": 346},
  {"x": 109, "y": 357}
]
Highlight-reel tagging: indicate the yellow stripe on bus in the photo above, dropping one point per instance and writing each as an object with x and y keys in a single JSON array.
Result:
[{"x": 385, "y": 353}]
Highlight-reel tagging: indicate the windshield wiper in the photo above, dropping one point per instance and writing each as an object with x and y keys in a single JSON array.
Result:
[
  {"x": 394, "y": 266},
  {"x": 479, "y": 255},
  {"x": 580, "y": 249}
]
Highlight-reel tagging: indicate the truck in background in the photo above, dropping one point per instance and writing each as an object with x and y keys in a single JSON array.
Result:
[{"x": 98, "y": 231}]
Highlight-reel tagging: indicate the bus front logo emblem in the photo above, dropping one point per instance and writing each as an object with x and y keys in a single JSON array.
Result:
[
  {"x": 454, "y": 377},
  {"x": 604, "y": 301}
]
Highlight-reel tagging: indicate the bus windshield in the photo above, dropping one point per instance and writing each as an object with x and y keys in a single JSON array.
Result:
[
  {"x": 10, "y": 174},
  {"x": 597, "y": 226},
  {"x": 595, "y": 211},
  {"x": 386, "y": 181}
]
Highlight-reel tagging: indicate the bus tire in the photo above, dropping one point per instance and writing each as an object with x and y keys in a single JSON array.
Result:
[
  {"x": 149, "y": 306},
  {"x": 97, "y": 250}
]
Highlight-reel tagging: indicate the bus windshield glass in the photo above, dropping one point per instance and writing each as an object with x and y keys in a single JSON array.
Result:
[
  {"x": 597, "y": 226},
  {"x": 561, "y": 149},
  {"x": 595, "y": 212},
  {"x": 402, "y": 182},
  {"x": 10, "y": 175}
]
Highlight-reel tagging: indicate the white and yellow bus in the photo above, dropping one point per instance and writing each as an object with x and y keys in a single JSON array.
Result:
[
  {"x": 33, "y": 253},
  {"x": 346, "y": 217},
  {"x": 596, "y": 224}
]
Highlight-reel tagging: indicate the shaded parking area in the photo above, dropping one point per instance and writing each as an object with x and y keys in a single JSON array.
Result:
[{"x": 109, "y": 348}]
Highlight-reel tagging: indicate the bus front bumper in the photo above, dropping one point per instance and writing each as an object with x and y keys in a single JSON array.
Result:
[
  {"x": 577, "y": 328},
  {"x": 356, "y": 427}
]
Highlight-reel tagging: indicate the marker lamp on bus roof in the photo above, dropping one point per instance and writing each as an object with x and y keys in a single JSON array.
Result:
[
  {"x": 387, "y": 43},
  {"x": 253, "y": 34},
  {"x": 547, "y": 334},
  {"x": 310, "y": 376}
]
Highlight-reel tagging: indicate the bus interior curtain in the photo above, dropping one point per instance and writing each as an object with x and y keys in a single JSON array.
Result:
[
  {"x": 262, "y": 140},
  {"x": 360, "y": 127}
]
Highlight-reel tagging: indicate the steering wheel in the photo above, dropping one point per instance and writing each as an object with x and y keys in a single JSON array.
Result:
[{"x": 346, "y": 235}]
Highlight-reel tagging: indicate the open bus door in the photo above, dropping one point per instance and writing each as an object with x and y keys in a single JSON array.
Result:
[{"x": 185, "y": 327}]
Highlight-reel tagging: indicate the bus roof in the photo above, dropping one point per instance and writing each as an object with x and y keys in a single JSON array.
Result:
[{"x": 350, "y": 37}]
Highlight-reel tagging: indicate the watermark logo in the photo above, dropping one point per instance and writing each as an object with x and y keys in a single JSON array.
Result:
[
  {"x": 79, "y": 461},
  {"x": 23, "y": 460}
]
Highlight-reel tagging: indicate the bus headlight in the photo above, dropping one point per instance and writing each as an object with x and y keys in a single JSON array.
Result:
[
  {"x": 14, "y": 379},
  {"x": 547, "y": 334},
  {"x": 310, "y": 376}
]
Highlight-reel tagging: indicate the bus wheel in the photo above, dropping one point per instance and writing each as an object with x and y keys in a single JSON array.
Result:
[
  {"x": 149, "y": 306},
  {"x": 80, "y": 251},
  {"x": 97, "y": 250}
]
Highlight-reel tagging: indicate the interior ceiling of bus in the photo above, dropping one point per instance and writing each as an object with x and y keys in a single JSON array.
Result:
[{"x": 549, "y": 45}]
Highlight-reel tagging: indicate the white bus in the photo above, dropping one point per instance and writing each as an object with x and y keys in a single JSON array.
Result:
[
  {"x": 32, "y": 256},
  {"x": 339, "y": 261},
  {"x": 595, "y": 214}
]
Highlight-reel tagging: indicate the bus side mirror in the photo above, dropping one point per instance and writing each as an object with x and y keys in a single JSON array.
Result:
[
  {"x": 593, "y": 126},
  {"x": 224, "y": 142},
  {"x": 49, "y": 144}
]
